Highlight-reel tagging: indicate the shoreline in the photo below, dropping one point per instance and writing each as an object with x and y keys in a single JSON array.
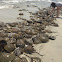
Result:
[{"x": 31, "y": 17}]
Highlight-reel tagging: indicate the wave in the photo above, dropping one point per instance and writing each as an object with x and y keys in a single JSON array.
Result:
[
  {"x": 16, "y": 1},
  {"x": 6, "y": 6}
]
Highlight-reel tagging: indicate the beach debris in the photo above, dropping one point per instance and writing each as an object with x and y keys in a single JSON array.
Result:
[
  {"x": 52, "y": 37},
  {"x": 20, "y": 13}
]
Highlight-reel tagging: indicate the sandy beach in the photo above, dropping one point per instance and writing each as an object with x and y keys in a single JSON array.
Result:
[{"x": 52, "y": 50}]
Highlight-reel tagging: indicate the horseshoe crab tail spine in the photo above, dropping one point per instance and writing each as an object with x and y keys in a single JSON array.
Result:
[{"x": 38, "y": 53}]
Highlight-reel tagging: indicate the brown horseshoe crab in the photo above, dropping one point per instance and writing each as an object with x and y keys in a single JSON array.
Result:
[
  {"x": 20, "y": 43},
  {"x": 9, "y": 47},
  {"x": 2, "y": 44},
  {"x": 35, "y": 59},
  {"x": 23, "y": 59}
]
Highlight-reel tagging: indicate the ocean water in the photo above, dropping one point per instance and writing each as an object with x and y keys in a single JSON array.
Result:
[{"x": 11, "y": 3}]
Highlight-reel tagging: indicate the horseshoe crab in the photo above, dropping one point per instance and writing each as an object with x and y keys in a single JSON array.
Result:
[
  {"x": 17, "y": 59},
  {"x": 28, "y": 41},
  {"x": 52, "y": 37},
  {"x": 3, "y": 34},
  {"x": 36, "y": 40},
  {"x": 18, "y": 51},
  {"x": 44, "y": 39},
  {"x": 11, "y": 41},
  {"x": 28, "y": 49},
  {"x": 9, "y": 47},
  {"x": 20, "y": 43},
  {"x": 27, "y": 36},
  {"x": 2, "y": 45},
  {"x": 23, "y": 59},
  {"x": 6, "y": 57},
  {"x": 35, "y": 59},
  {"x": 21, "y": 14}
]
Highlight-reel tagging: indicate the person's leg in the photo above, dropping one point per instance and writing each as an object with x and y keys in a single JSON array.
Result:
[{"x": 57, "y": 11}]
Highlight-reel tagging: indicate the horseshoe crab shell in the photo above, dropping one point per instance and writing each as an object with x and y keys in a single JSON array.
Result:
[
  {"x": 15, "y": 30},
  {"x": 17, "y": 59},
  {"x": 11, "y": 41},
  {"x": 23, "y": 59},
  {"x": 28, "y": 41},
  {"x": 27, "y": 35},
  {"x": 9, "y": 47},
  {"x": 44, "y": 39},
  {"x": 2, "y": 45},
  {"x": 6, "y": 57},
  {"x": 20, "y": 43},
  {"x": 18, "y": 51},
  {"x": 3, "y": 34},
  {"x": 21, "y": 14},
  {"x": 16, "y": 36},
  {"x": 52, "y": 37},
  {"x": 28, "y": 49},
  {"x": 35, "y": 59},
  {"x": 36, "y": 40}
]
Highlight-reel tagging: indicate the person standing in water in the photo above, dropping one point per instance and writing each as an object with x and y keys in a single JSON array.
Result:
[{"x": 56, "y": 5}]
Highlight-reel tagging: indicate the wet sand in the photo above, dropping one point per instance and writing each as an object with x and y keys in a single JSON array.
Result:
[
  {"x": 53, "y": 49},
  {"x": 10, "y": 15}
]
